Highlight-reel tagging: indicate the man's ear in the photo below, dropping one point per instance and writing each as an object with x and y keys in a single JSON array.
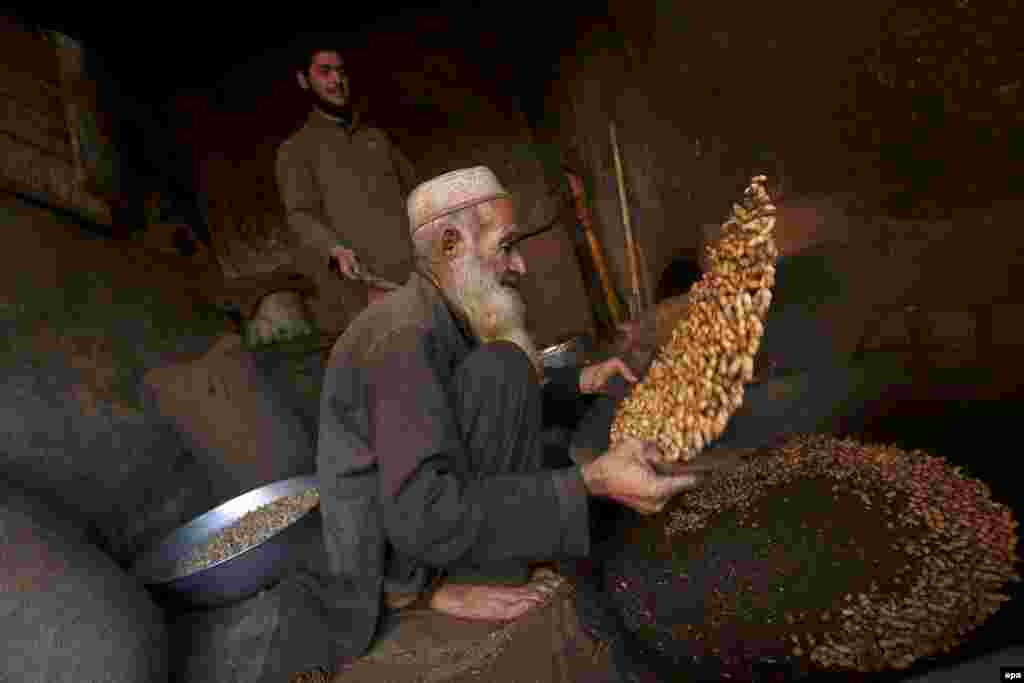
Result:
[
  {"x": 303, "y": 81},
  {"x": 452, "y": 244}
]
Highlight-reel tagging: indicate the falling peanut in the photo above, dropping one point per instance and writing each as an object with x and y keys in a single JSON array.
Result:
[{"x": 712, "y": 348}]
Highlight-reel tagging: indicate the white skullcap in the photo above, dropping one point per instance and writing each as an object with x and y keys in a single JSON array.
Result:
[{"x": 452, "y": 192}]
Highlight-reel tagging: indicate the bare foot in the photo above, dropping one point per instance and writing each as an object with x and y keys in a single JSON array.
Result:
[{"x": 495, "y": 603}]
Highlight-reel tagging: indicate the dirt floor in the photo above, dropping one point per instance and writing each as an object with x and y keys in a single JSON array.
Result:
[{"x": 545, "y": 645}]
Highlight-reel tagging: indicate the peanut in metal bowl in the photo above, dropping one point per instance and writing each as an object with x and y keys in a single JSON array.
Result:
[{"x": 236, "y": 549}]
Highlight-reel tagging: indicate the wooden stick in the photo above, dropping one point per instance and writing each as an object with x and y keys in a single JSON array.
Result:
[
  {"x": 645, "y": 277},
  {"x": 596, "y": 252},
  {"x": 631, "y": 255},
  {"x": 602, "y": 272}
]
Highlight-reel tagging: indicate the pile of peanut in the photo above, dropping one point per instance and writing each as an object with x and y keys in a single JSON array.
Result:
[{"x": 959, "y": 547}]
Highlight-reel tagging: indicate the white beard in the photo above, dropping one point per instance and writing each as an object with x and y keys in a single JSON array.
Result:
[{"x": 494, "y": 312}]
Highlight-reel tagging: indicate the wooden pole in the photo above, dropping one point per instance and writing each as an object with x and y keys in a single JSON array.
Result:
[
  {"x": 602, "y": 272},
  {"x": 579, "y": 197},
  {"x": 635, "y": 301},
  {"x": 645, "y": 277}
]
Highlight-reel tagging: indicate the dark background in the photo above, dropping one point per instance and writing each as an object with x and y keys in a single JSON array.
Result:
[
  {"x": 947, "y": 124},
  {"x": 166, "y": 49}
]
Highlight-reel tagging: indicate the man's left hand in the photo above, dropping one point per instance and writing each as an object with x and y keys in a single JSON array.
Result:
[{"x": 594, "y": 378}]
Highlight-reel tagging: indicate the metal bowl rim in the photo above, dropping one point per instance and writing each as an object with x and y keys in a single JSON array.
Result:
[
  {"x": 143, "y": 566},
  {"x": 576, "y": 341}
]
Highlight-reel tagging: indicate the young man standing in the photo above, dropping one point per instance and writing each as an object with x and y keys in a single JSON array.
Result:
[{"x": 343, "y": 184}]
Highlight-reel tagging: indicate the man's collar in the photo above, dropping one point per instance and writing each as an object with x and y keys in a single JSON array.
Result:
[
  {"x": 443, "y": 308},
  {"x": 319, "y": 119}
]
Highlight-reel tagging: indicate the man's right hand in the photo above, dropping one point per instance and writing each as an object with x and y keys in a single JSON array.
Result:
[
  {"x": 347, "y": 262},
  {"x": 626, "y": 473}
]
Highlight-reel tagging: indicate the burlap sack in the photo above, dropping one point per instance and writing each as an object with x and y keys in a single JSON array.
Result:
[{"x": 244, "y": 428}]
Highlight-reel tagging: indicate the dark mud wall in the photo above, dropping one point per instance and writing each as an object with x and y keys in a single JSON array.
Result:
[
  {"x": 910, "y": 112},
  {"x": 76, "y": 134},
  {"x": 39, "y": 156},
  {"x": 82, "y": 319},
  {"x": 892, "y": 260},
  {"x": 701, "y": 98}
]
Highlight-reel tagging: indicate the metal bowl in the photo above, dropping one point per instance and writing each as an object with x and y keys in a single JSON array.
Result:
[
  {"x": 243, "y": 574},
  {"x": 566, "y": 353}
]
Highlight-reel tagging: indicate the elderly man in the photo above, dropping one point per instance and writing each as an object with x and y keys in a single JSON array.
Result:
[
  {"x": 433, "y": 484},
  {"x": 343, "y": 185}
]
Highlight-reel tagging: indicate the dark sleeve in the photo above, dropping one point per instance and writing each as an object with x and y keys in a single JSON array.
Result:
[
  {"x": 301, "y": 199},
  {"x": 563, "y": 383},
  {"x": 434, "y": 513}
]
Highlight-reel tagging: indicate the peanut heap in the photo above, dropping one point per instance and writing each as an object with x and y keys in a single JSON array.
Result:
[
  {"x": 695, "y": 383},
  {"x": 959, "y": 546}
]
